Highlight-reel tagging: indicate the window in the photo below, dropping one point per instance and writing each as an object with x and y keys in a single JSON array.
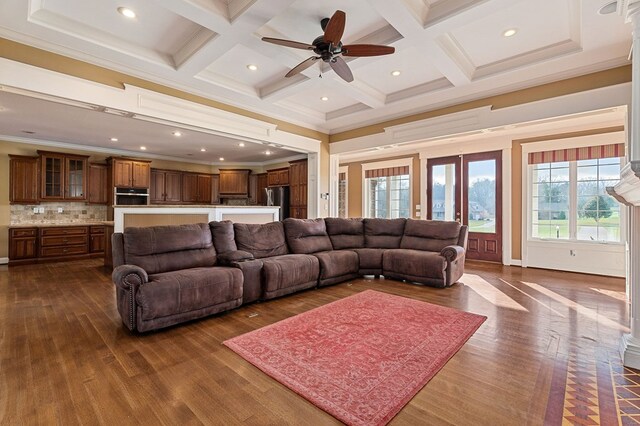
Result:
[
  {"x": 342, "y": 193},
  {"x": 569, "y": 200},
  {"x": 388, "y": 192}
]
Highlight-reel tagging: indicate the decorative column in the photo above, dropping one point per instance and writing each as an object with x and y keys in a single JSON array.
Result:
[{"x": 628, "y": 192}]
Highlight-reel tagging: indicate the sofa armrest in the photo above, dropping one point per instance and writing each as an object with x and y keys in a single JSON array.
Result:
[
  {"x": 230, "y": 257},
  {"x": 129, "y": 277},
  {"x": 452, "y": 253},
  {"x": 252, "y": 279}
]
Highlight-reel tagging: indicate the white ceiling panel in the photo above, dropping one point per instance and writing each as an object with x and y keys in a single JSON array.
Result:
[
  {"x": 539, "y": 24},
  {"x": 311, "y": 98}
]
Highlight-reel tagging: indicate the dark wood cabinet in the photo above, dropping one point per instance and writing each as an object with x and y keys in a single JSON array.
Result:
[
  {"x": 298, "y": 189},
  {"x": 96, "y": 239},
  {"x": 23, "y": 179},
  {"x": 129, "y": 173},
  {"x": 234, "y": 183},
  {"x": 63, "y": 176},
  {"x": 60, "y": 242},
  {"x": 261, "y": 196},
  {"x": 278, "y": 177},
  {"x": 98, "y": 184},
  {"x": 165, "y": 187},
  {"x": 253, "y": 190},
  {"x": 196, "y": 188},
  {"x": 23, "y": 244},
  {"x": 215, "y": 189}
]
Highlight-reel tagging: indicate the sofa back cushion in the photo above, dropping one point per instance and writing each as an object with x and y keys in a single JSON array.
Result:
[
  {"x": 223, "y": 236},
  {"x": 383, "y": 233},
  {"x": 169, "y": 248},
  {"x": 345, "y": 233},
  {"x": 261, "y": 240},
  {"x": 430, "y": 235},
  {"x": 306, "y": 236}
]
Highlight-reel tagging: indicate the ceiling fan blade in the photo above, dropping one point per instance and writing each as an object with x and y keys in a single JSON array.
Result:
[
  {"x": 335, "y": 28},
  {"x": 302, "y": 66},
  {"x": 367, "y": 50},
  {"x": 341, "y": 68},
  {"x": 288, "y": 43}
]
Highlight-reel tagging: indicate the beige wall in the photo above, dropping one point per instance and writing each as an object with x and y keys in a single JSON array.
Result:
[{"x": 354, "y": 184}]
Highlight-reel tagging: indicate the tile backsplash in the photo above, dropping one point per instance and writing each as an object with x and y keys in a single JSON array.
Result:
[{"x": 71, "y": 212}]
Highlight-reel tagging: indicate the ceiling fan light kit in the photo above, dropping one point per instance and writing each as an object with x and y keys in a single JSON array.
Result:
[{"x": 328, "y": 48}]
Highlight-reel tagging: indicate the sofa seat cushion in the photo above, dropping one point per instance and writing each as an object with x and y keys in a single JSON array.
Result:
[
  {"x": 337, "y": 263},
  {"x": 175, "y": 292},
  {"x": 414, "y": 263},
  {"x": 370, "y": 259},
  {"x": 289, "y": 271}
]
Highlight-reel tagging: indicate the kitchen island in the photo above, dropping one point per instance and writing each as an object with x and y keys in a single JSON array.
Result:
[{"x": 140, "y": 216}]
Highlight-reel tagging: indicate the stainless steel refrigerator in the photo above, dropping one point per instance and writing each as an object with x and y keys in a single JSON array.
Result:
[{"x": 279, "y": 196}]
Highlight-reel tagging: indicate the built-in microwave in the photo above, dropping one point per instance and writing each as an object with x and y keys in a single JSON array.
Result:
[{"x": 131, "y": 196}]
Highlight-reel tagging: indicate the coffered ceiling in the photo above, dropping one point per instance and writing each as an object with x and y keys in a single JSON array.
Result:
[{"x": 447, "y": 51}]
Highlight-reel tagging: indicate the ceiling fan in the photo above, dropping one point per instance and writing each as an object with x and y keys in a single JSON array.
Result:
[{"x": 329, "y": 48}]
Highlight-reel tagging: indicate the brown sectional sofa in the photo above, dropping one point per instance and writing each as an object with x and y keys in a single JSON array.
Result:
[{"x": 166, "y": 275}]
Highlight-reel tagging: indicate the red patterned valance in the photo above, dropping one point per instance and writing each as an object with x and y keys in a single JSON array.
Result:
[
  {"x": 390, "y": 171},
  {"x": 574, "y": 154}
]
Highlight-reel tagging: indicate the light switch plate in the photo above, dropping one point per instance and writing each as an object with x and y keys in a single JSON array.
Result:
[
  {"x": 40, "y": 209},
  {"x": 35, "y": 210},
  {"x": 60, "y": 210}
]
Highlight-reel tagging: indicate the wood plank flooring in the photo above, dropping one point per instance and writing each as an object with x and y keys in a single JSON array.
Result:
[{"x": 66, "y": 359}]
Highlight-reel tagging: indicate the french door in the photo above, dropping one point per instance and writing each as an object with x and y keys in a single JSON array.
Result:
[{"x": 468, "y": 189}]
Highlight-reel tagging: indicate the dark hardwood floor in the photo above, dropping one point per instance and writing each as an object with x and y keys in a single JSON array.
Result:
[{"x": 66, "y": 359}]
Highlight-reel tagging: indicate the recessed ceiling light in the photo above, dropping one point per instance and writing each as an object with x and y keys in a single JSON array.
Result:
[
  {"x": 510, "y": 32},
  {"x": 395, "y": 73},
  {"x": 252, "y": 67},
  {"x": 143, "y": 148},
  {"x": 608, "y": 8},
  {"x": 114, "y": 139},
  {"x": 267, "y": 152},
  {"x": 177, "y": 134},
  {"x": 324, "y": 98},
  {"x": 221, "y": 158},
  {"x": 126, "y": 12},
  {"x": 203, "y": 150},
  {"x": 241, "y": 144}
]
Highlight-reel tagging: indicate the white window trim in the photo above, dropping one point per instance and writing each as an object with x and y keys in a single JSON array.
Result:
[
  {"x": 345, "y": 170},
  {"x": 401, "y": 162},
  {"x": 568, "y": 143}
]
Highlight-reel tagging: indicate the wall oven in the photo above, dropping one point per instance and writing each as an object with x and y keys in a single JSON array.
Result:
[{"x": 131, "y": 196}]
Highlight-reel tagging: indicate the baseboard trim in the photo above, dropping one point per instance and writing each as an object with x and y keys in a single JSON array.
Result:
[
  {"x": 630, "y": 351},
  {"x": 4, "y": 260},
  {"x": 516, "y": 262}
]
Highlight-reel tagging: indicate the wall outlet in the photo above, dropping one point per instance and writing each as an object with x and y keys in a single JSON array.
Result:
[
  {"x": 40, "y": 209},
  {"x": 60, "y": 210},
  {"x": 35, "y": 210}
]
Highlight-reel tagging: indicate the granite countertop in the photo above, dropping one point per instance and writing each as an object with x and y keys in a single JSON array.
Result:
[
  {"x": 197, "y": 206},
  {"x": 54, "y": 224}
]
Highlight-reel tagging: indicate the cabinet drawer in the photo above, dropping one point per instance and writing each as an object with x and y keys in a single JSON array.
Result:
[
  {"x": 97, "y": 230},
  {"x": 63, "y": 240},
  {"x": 63, "y": 251},
  {"x": 67, "y": 230},
  {"x": 24, "y": 232}
]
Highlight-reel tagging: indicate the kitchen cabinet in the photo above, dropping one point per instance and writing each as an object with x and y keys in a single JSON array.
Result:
[
  {"x": 129, "y": 173},
  {"x": 23, "y": 179},
  {"x": 234, "y": 183},
  {"x": 278, "y": 177},
  {"x": 215, "y": 189},
  {"x": 23, "y": 244},
  {"x": 253, "y": 190},
  {"x": 298, "y": 189},
  {"x": 63, "y": 241},
  {"x": 261, "y": 197},
  {"x": 63, "y": 176},
  {"x": 96, "y": 239},
  {"x": 165, "y": 187},
  {"x": 98, "y": 184},
  {"x": 196, "y": 188}
]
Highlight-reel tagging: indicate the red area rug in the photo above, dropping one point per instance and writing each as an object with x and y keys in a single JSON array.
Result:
[{"x": 362, "y": 358}]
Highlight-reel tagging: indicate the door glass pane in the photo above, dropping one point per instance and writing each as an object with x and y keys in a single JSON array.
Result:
[
  {"x": 342, "y": 195},
  {"x": 443, "y": 188},
  {"x": 482, "y": 196}
]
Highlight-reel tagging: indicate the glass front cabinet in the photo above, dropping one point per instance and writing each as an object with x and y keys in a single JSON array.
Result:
[{"x": 64, "y": 177}]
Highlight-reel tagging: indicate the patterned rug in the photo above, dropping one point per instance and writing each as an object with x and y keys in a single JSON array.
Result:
[{"x": 362, "y": 358}]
